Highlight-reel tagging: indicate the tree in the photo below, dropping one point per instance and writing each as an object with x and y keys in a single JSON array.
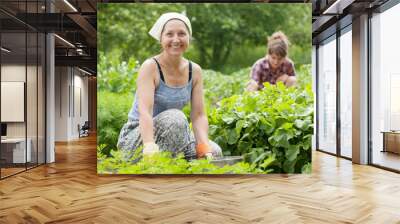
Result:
[
  {"x": 221, "y": 32},
  {"x": 124, "y": 27},
  {"x": 218, "y": 28}
]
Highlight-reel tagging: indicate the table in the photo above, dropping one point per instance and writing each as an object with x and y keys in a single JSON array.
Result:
[
  {"x": 13, "y": 150},
  {"x": 391, "y": 141}
]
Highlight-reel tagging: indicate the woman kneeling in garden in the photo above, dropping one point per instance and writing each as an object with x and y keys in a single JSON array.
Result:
[
  {"x": 275, "y": 66},
  {"x": 165, "y": 84}
]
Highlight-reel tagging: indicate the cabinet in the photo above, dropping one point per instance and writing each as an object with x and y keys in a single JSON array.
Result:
[{"x": 391, "y": 141}]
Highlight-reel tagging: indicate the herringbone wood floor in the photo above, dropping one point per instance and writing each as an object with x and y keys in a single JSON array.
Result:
[{"x": 69, "y": 191}]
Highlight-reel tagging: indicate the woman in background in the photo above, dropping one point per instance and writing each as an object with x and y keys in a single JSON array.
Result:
[{"x": 275, "y": 66}]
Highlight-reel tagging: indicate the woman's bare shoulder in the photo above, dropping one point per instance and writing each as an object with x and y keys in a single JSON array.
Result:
[
  {"x": 196, "y": 69},
  {"x": 148, "y": 68},
  {"x": 196, "y": 73},
  {"x": 148, "y": 64}
]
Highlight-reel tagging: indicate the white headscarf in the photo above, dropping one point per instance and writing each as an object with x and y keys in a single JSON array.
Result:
[{"x": 157, "y": 28}]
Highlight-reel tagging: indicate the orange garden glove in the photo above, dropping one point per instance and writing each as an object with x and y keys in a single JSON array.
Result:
[
  {"x": 150, "y": 148},
  {"x": 203, "y": 150}
]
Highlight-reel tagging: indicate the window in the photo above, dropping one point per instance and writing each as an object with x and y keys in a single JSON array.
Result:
[
  {"x": 385, "y": 86},
  {"x": 346, "y": 93},
  {"x": 22, "y": 67},
  {"x": 327, "y": 96}
]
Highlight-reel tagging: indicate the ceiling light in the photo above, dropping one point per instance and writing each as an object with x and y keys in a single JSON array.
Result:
[
  {"x": 80, "y": 51},
  {"x": 70, "y": 5},
  {"x": 86, "y": 72},
  {"x": 65, "y": 41},
  {"x": 338, "y": 6},
  {"x": 5, "y": 49}
]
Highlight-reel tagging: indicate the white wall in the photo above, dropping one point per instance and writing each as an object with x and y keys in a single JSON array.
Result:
[
  {"x": 34, "y": 123},
  {"x": 80, "y": 84},
  {"x": 61, "y": 103},
  {"x": 71, "y": 94},
  {"x": 14, "y": 73}
]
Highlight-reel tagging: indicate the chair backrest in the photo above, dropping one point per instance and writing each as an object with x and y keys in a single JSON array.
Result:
[{"x": 86, "y": 125}]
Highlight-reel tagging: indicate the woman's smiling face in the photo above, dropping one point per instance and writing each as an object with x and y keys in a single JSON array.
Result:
[{"x": 175, "y": 37}]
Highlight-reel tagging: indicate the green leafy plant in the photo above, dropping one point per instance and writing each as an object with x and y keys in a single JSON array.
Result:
[
  {"x": 116, "y": 85},
  {"x": 116, "y": 75},
  {"x": 164, "y": 163},
  {"x": 304, "y": 77},
  {"x": 217, "y": 86},
  {"x": 272, "y": 128},
  {"x": 112, "y": 114}
]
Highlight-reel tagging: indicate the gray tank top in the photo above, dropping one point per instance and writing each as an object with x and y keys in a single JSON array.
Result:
[{"x": 166, "y": 97}]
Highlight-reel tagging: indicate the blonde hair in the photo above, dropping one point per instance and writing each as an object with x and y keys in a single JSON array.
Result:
[{"x": 278, "y": 44}]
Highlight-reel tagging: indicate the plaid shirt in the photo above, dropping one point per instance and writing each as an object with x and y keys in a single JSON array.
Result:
[{"x": 261, "y": 71}]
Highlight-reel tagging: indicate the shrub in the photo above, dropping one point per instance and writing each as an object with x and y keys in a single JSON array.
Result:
[
  {"x": 272, "y": 128},
  {"x": 112, "y": 114},
  {"x": 217, "y": 86},
  {"x": 115, "y": 75},
  {"x": 304, "y": 77},
  {"x": 116, "y": 84}
]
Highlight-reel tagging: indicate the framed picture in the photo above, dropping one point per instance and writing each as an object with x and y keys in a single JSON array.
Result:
[{"x": 204, "y": 88}]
